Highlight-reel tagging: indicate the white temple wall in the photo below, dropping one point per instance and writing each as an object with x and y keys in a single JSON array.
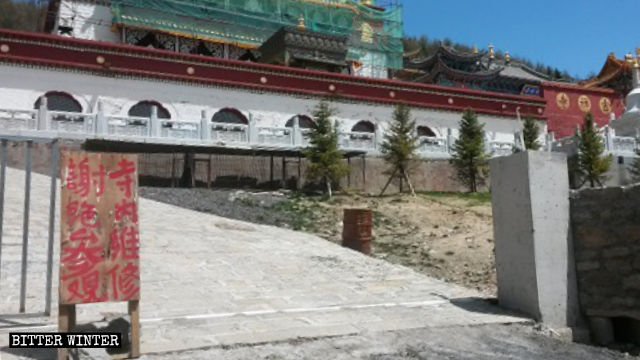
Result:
[
  {"x": 21, "y": 87},
  {"x": 89, "y": 20}
]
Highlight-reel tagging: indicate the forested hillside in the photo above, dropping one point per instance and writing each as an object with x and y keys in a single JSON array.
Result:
[{"x": 22, "y": 15}]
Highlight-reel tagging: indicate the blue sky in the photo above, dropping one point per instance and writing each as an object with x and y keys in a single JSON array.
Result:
[{"x": 572, "y": 35}]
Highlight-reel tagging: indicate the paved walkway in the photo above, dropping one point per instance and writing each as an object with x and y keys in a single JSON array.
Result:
[{"x": 209, "y": 281}]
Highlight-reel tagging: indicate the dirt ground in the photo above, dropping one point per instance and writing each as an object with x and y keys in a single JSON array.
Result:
[{"x": 448, "y": 236}]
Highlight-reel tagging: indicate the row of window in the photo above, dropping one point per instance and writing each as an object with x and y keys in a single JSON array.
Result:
[{"x": 60, "y": 101}]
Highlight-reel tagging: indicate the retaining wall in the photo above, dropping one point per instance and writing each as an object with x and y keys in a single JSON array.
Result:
[{"x": 606, "y": 231}]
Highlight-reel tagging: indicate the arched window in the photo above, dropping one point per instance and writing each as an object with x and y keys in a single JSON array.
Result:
[
  {"x": 364, "y": 126},
  {"x": 60, "y": 101},
  {"x": 426, "y": 131},
  {"x": 143, "y": 109},
  {"x": 229, "y": 116},
  {"x": 304, "y": 122}
]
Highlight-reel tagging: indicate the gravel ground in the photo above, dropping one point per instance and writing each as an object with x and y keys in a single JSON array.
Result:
[
  {"x": 255, "y": 207},
  {"x": 469, "y": 343}
]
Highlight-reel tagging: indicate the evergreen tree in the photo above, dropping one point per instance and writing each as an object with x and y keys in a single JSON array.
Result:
[
  {"x": 592, "y": 164},
  {"x": 469, "y": 157},
  {"x": 325, "y": 159},
  {"x": 530, "y": 133},
  {"x": 399, "y": 146}
]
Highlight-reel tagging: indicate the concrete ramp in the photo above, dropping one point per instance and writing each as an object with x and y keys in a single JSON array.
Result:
[{"x": 208, "y": 281}]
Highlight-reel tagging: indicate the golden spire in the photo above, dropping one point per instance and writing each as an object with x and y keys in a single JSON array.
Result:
[
  {"x": 507, "y": 57},
  {"x": 301, "y": 23},
  {"x": 492, "y": 54},
  {"x": 638, "y": 52},
  {"x": 612, "y": 55},
  {"x": 636, "y": 65},
  {"x": 475, "y": 49}
]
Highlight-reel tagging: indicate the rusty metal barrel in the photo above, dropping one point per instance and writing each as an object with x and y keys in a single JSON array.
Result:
[{"x": 357, "y": 230}]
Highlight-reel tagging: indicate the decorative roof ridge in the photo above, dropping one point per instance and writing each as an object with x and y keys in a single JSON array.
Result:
[{"x": 531, "y": 71}]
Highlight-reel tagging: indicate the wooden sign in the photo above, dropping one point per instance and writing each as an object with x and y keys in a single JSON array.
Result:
[{"x": 100, "y": 242}]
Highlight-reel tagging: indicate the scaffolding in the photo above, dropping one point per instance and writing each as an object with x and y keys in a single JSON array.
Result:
[{"x": 372, "y": 31}]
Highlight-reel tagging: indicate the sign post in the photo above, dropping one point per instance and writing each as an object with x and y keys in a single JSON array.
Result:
[{"x": 100, "y": 242}]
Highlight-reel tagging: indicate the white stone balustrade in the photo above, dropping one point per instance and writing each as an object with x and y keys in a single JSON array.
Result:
[{"x": 46, "y": 123}]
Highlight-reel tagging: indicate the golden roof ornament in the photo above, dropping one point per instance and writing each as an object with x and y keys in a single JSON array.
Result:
[
  {"x": 507, "y": 57},
  {"x": 475, "y": 49},
  {"x": 638, "y": 51},
  {"x": 628, "y": 57},
  {"x": 301, "y": 23},
  {"x": 492, "y": 54},
  {"x": 366, "y": 2}
]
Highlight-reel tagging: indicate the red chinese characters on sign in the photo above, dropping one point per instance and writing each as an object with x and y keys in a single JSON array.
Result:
[{"x": 100, "y": 241}]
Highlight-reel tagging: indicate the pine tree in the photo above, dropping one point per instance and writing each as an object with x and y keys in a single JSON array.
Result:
[
  {"x": 592, "y": 164},
  {"x": 325, "y": 159},
  {"x": 399, "y": 147},
  {"x": 469, "y": 157},
  {"x": 530, "y": 133}
]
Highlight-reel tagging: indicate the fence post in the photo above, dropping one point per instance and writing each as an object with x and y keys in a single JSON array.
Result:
[
  {"x": 41, "y": 120},
  {"x": 25, "y": 225},
  {"x": 52, "y": 215},
  {"x": 205, "y": 127}
]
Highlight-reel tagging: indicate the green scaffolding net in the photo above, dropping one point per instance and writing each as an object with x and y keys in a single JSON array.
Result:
[{"x": 373, "y": 32}]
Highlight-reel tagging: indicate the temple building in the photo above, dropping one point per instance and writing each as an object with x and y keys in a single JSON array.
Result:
[
  {"x": 237, "y": 29},
  {"x": 616, "y": 74},
  {"x": 566, "y": 102},
  {"x": 476, "y": 70},
  {"x": 242, "y": 77}
]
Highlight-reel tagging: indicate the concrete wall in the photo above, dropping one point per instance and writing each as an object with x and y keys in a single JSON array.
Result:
[
  {"x": 606, "y": 231},
  {"x": 530, "y": 198},
  {"x": 21, "y": 87},
  {"x": 254, "y": 172}
]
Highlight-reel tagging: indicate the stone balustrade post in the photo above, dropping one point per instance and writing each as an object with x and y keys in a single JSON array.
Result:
[
  {"x": 550, "y": 138},
  {"x": 154, "y": 123},
  {"x": 42, "y": 118},
  {"x": 450, "y": 140},
  {"x": 101, "y": 120},
  {"x": 518, "y": 141},
  {"x": 205, "y": 127},
  {"x": 608, "y": 138},
  {"x": 297, "y": 134},
  {"x": 378, "y": 138},
  {"x": 252, "y": 136}
]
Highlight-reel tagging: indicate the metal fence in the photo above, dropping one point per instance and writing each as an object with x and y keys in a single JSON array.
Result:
[{"x": 28, "y": 144}]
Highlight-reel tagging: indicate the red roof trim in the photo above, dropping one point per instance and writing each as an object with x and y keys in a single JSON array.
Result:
[{"x": 57, "y": 51}]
